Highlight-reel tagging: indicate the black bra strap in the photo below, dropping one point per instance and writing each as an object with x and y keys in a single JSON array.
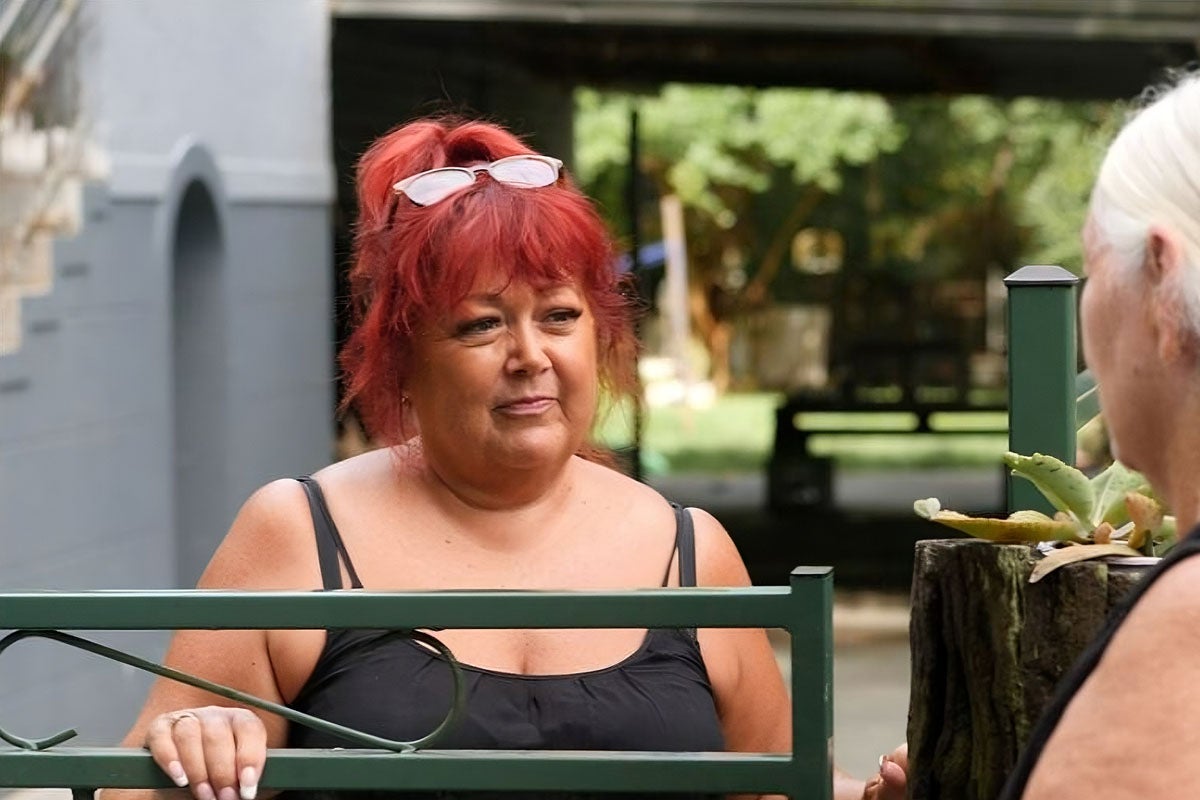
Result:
[
  {"x": 685, "y": 545},
  {"x": 329, "y": 541}
]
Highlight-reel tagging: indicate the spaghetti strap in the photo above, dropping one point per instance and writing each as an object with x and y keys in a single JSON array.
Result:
[
  {"x": 329, "y": 542},
  {"x": 685, "y": 544}
]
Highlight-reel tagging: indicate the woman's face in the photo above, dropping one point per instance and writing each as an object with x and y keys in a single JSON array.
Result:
[
  {"x": 1116, "y": 320},
  {"x": 508, "y": 378}
]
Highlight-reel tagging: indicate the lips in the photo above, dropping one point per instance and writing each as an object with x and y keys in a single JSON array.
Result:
[{"x": 533, "y": 404}]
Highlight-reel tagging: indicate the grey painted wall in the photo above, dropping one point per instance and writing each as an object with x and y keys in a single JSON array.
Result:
[{"x": 184, "y": 356}]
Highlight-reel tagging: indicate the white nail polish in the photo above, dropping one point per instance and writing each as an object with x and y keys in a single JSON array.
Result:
[
  {"x": 248, "y": 785},
  {"x": 175, "y": 771}
]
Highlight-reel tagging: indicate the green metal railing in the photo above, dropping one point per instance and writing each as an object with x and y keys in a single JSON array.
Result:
[
  {"x": 1047, "y": 396},
  {"x": 803, "y": 608}
]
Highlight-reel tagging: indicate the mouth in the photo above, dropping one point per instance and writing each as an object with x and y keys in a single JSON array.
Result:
[{"x": 521, "y": 406}]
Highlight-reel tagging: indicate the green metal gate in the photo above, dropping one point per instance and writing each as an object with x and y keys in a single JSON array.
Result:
[{"x": 803, "y": 608}]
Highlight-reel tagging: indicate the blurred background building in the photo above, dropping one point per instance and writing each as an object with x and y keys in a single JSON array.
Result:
[{"x": 165, "y": 301}]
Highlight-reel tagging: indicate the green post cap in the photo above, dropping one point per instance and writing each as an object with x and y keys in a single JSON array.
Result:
[{"x": 1041, "y": 275}]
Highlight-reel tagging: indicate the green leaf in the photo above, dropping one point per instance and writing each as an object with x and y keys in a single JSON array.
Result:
[
  {"x": 1110, "y": 488},
  {"x": 1022, "y": 526},
  {"x": 1065, "y": 487}
]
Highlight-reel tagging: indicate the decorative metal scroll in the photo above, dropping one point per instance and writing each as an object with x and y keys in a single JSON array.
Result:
[{"x": 457, "y": 706}]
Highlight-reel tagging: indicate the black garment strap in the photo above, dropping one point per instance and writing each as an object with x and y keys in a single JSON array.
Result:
[
  {"x": 685, "y": 546},
  {"x": 329, "y": 541}
]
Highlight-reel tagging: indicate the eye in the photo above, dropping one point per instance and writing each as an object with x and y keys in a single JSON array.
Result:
[
  {"x": 477, "y": 327},
  {"x": 562, "y": 317}
]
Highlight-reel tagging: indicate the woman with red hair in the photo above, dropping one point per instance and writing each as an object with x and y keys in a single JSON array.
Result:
[{"x": 489, "y": 316}]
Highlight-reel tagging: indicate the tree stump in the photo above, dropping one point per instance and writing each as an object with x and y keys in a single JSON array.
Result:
[{"x": 988, "y": 648}]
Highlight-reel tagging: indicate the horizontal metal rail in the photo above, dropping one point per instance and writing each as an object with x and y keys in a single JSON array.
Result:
[
  {"x": 804, "y": 608},
  {"x": 759, "y": 607},
  {"x": 458, "y": 770}
]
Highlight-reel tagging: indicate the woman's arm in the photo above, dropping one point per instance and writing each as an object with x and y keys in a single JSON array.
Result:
[
  {"x": 201, "y": 740},
  {"x": 751, "y": 699}
]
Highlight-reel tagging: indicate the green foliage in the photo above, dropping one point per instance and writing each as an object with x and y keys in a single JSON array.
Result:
[
  {"x": 1055, "y": 202},
  {"x": 943, "y": 186},
  {"x": 716, "y": 146},
  {"x": 1022, "y": 526},
  {"x": 983, "y": 184},
  {"x": 1067, "y": 489},
  {"x": 1115, "y": 507}
]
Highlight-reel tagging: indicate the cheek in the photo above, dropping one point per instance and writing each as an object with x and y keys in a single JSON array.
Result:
[
  {"x": 1086, "y": 328},
  {"x": 1093, "y": 326},
  {"x": 582, "y": 373}
]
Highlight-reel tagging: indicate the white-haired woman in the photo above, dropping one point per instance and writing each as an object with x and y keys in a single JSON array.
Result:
[{"x": 1126, "y": 722}]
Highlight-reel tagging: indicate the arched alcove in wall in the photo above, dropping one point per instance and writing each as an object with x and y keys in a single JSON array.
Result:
[{"x": 199, "y": 377}]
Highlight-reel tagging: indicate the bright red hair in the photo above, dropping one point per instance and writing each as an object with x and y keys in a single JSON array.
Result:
[{"x": 412, "y": 264}]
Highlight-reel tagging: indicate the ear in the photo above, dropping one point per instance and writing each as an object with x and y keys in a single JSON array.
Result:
[
  {"x": 1164, "y": 269},
  {"x": 1164, "y": 255},
  {"x": 410, "y": 425}
]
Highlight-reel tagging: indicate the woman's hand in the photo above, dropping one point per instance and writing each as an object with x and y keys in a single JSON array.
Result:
[
  {"x": 219, "y": 752},
  {"x": 892, "y": 780}
]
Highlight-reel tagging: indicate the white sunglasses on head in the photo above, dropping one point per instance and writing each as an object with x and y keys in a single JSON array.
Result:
[{"x": 435, "y": 185}]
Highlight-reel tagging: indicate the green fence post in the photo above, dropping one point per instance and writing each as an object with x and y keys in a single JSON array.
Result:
[
  {"x": 811, "y": 628},
  {"x": 1042, "y": 364}
]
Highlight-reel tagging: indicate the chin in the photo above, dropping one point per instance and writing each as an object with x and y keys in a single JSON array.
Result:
[
  {"x": 1121, "y": 454},
  {"x": 1135, "y": 462},
  {"x": 534, "y": 451}
]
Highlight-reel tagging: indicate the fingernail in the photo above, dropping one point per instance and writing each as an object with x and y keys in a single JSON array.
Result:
[
  {"x": 882, "y": 760},
  {"x": 227, "y": 793},
  {"x": 175, "y": 770},
  {"x": 204, "y": 791},
  {"x": 249, "y": 784}
]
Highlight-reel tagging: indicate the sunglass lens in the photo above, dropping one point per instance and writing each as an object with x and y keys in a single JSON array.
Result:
[
  {"x": 530, "y": 172},
  {"x": 437, "y": 185}
]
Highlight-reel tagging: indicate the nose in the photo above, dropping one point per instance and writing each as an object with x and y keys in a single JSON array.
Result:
[{"x": 527, "y": 352}]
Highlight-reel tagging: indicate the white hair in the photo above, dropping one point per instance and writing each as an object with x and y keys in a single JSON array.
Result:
[{"x": 1151, "y": 176}]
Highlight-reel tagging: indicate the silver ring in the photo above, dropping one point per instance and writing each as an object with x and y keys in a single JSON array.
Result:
[{"x": 176, "y": 716}]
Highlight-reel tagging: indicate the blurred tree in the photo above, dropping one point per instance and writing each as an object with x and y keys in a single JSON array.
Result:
[
  {"x": 927, "y": 188},
  {"x": 718, "y": 148},
  {"x": 982, "y": 183}
]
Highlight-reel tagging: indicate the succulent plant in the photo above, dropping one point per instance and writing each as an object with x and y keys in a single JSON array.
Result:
[{"x": 1114, "y": 513}]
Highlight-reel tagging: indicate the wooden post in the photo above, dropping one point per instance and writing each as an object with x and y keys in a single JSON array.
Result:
[{"x": 988, "y": 648}]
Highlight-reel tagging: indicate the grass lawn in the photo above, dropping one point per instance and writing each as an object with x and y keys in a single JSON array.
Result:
[{"x": 735, "y": 434}]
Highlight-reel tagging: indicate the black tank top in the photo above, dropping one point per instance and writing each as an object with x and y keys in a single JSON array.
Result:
[
  {"x": 658, "y": 698},
  {"x": 1083, "y": 668}
]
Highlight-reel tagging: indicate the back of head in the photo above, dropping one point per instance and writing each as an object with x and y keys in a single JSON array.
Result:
[
  {"x": 413, "y": 263},
  {"x": 1151, "y": 176}
]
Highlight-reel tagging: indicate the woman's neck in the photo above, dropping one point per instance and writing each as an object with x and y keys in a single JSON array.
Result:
[
  {"x": 493, "y": 488},
  {"x": 1183, "y": 495},
  {"x": 1180, "y": 480}
]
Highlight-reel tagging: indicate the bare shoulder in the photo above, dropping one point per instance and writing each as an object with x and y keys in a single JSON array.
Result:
[
  {"x": 1165, "y": 623},
  {"x": 718, "y": 562},
  {"x": 617, "y": 490},
  {"x": 1143, "y": 690},
  {"x": 270, "y": 544}
]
